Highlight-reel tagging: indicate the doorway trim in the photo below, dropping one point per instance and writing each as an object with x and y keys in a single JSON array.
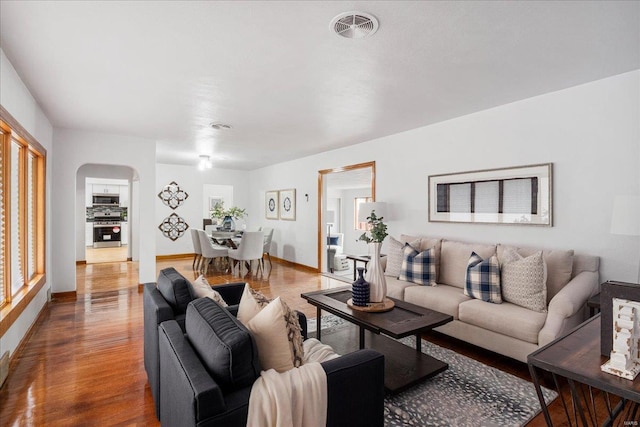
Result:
[{"x": 321, "y": 196}]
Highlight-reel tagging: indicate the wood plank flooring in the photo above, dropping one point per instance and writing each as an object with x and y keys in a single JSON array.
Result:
[{"x": 83, "y": 365}]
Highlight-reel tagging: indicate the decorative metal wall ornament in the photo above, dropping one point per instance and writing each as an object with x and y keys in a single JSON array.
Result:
[
  {"x": 172, "y": 195},
  {"x": 173, "y": 226}
]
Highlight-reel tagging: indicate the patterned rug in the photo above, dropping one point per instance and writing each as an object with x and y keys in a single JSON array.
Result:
[{"x": 469, "y": 393}]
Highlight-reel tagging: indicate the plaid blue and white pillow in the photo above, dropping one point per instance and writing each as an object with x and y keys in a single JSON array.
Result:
[
  {"x": 418, "y": 267},
  {"x": 483, "y": 279}
]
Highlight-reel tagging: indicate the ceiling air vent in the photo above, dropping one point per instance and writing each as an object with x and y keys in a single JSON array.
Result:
[{"x": 354, "y": 25}]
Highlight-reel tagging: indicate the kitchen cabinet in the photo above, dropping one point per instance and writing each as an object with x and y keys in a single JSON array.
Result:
[
  {"x": 124, "y": 195},
  {"x": 106, "y": 188}
]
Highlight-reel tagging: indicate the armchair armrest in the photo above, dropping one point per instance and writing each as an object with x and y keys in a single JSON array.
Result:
[
  {"x": 230, "y": 292},
  {"x": 567, "y": 303},
  {"x": 155, "y": 311},
  {"x": 189, "y": 394},
  {"x": 355, "y": 389}
]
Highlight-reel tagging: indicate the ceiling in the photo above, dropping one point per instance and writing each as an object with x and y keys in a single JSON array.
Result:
[{"x": 289, "y": 88}]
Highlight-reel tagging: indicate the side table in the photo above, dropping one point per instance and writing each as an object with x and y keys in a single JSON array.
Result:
[
  {"x": 594, "y": 305},
  {"x": 576, "y": 357}
]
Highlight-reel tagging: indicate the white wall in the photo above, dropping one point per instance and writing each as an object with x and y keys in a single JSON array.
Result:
[
  {"x": 192, "y": 181},
  {"x": 75, "y": 148},
  {"x": 15, "y": 97},
  {"x": 590, "y": 133}
]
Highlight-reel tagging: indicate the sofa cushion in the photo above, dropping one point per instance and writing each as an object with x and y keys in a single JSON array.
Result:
[
  {"x": 396, "y": 287},
  {"x": 175, "y": 289},
  {"x": 524, "y": 280},
  {"x": 483, "y": 279},
  {"x": 454, "y": 257},
  {"x": 559, "y": 266},
  {"x": 278, "y": 337},
  {"x": 442, "y": 298},
  {"x": 506, "y": 319},
  {"x": 225, "y": 346},
  {"x": 395, "y": 255},
  {"x": 418, "y": 267},
  {"x": 202, "y": 289}
]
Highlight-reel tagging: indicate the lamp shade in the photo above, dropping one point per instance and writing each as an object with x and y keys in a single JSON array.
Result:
[
  {"x": 365, "y": 210},
  {"x": 625, "y": 219}
]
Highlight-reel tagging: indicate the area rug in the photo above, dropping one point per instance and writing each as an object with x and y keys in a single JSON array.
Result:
[{"x": 469, "y": 393}]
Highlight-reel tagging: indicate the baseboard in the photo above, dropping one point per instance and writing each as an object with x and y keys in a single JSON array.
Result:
[
  {"x": 174, "y": 256},
  {"x": 81, "y": 262},
  {"x": 35, "y": 325},
  {"x": 129, "y": 259},
  {"x": 65, "y": 296},
  {"x": 294, "y": 264}
]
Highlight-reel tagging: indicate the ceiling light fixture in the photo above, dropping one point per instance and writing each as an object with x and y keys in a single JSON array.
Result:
[
  {"x": 220, "y": 126},
  {"x": 354, "y": 25},
  {"x": 205, "y": 162}
]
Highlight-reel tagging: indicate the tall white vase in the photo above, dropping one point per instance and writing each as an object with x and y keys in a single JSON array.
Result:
[{"x": 375, "y": 275}]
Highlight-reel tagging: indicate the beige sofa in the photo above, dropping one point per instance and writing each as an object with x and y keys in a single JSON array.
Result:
[{"x": 505, "y": 328}]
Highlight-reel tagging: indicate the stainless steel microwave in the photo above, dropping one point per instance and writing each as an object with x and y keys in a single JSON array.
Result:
[{"x": 104, "y": 199}]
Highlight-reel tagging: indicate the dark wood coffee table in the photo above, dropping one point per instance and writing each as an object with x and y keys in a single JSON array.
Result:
[{"x": 404, "y": 366}]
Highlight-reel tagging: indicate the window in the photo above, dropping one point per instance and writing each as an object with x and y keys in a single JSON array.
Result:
[
  {"x": 358, "y": 201},
  {"x": 22, "y": 216}
]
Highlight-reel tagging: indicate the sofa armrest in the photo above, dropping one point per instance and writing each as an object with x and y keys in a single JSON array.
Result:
[
  {"x": 231, "y": 292},
  {"x": 188, "y": 394},
  {"x": 567, "y": 303},
  {"x": 355, "y": 389}
]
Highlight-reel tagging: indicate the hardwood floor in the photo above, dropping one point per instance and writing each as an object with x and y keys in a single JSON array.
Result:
[{"x": 83, "y": 365}]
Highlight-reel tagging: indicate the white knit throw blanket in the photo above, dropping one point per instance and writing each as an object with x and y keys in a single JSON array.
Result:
[{"x": 297, "y": 397}]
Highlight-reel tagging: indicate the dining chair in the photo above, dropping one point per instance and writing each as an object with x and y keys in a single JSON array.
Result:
[
  {"x": 251, "y": 247},
  {"x": 210, "y": 251},
  {"x": 197, "y": 249},
  {"x": 209, "y": 228},
  {"x": 266, "y": 250}
]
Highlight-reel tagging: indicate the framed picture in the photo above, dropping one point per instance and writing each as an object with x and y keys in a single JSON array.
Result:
[
  {"x": 271, "y": 204},
  {"x": 214, "y": 200},
  {"x": 518, "y": 195},
  {"x": 287, "y": 204}
]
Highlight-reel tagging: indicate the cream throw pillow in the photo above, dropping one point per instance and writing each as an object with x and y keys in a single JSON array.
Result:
[
  {"x": 202, "y": 289},
  {"x": 524, "y": 280},
  {"x": 276, "y": 338},
  {"x": 251, "y": 303}
]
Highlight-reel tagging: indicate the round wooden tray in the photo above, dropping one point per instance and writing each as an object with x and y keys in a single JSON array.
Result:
[{"x": 373, "y": 307}]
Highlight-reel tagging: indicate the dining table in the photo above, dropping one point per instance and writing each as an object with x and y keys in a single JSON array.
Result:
[{"x": 225, "y": 238}]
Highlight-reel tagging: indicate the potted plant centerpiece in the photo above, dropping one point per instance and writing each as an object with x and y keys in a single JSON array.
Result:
[
  {"x": 225, "y": 217},
  {"x": 377, "y": 231}
]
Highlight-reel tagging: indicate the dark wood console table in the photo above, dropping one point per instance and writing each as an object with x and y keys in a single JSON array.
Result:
[{"x": 576, "y": 357}]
